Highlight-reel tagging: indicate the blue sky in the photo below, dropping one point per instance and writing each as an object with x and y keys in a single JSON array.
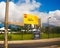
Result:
[
  {"x": 46, "y": 5},
  {"x": 49, "y": 5}
]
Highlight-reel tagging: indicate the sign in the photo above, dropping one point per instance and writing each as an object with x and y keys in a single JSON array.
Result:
[
  {"x": 30, "y": 19},
  {"x": 36, "y": 34}
]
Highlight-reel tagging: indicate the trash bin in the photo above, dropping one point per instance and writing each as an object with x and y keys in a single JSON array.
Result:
[{"x": 36, "y": 34}]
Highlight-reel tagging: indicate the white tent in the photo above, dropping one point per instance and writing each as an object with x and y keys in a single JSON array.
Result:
[{"x": 3, "y": 28}]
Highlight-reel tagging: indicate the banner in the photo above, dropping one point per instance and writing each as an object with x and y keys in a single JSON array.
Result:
[{"x": 30, "y": 19}]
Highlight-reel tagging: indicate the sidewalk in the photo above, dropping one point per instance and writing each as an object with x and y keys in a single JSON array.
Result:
[{"x": 31, "y": 41}]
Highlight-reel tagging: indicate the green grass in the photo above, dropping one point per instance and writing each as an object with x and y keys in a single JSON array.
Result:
[
  {"x": 21, "y": 36},
  {"x": 1, "y": 36},
  {"x": 51, "y": 35},
  {"x": 28, "y": 36},
  {"x": 43, "y": 36}
]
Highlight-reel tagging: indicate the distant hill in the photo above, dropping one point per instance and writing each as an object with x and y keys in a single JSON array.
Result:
[
  {"x": 9, "y": 26},
  {"x": 45, "y": 24},
  {"x": 1, "y": 25},
  {"x": 14, "y": 26}
]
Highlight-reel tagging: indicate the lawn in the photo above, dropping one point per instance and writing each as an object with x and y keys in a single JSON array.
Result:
[
  {"x": 21, "y": 36},
  {"x": 28, "y": 36}
]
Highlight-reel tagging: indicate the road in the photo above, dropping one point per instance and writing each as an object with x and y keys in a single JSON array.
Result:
[{"x": 32, "y": 45}]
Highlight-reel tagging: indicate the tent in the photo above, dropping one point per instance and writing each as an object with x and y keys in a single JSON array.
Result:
[{"x": 3, "y": 28}]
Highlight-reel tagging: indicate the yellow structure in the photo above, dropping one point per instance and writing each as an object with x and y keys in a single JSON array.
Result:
[{"x": 30, "y": 19}]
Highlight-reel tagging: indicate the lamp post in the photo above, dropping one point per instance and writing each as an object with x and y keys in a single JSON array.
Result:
[
  {"x": 6, "y": 25},
  {"x": 48, "y": 27}
]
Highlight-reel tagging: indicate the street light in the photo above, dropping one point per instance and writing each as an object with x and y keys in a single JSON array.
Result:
[{"x": 48, "y": 26}]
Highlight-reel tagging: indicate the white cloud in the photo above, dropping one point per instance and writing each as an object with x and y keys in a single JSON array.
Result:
[
  {"x": 28, "y": 6},
  {"x": 41, "y": 15},
  {"x": 17, "y": 10},
  {"x": 54, "y": 20},
  {"x": 2, "y": 11},
  {"x": 55, "y": 17}
]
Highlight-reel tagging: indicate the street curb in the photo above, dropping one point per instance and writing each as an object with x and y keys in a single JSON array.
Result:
[{"x": 32, "y": 41}]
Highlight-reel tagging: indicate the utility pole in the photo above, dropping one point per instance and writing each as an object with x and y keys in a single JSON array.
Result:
[
  {"x": 48, "y": 27},
  {"x": 6, "y": 25},
  {"x": 39, "y": 23}
]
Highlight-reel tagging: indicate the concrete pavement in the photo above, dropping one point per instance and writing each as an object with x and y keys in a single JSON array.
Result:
[
  {"x": 42, "y": 43},
  {"x": 32, "y": 41}
]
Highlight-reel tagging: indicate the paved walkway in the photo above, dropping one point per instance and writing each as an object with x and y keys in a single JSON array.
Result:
[
  {"x": 31, "y": 41},
  {"x": 53, "y": 46}
]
